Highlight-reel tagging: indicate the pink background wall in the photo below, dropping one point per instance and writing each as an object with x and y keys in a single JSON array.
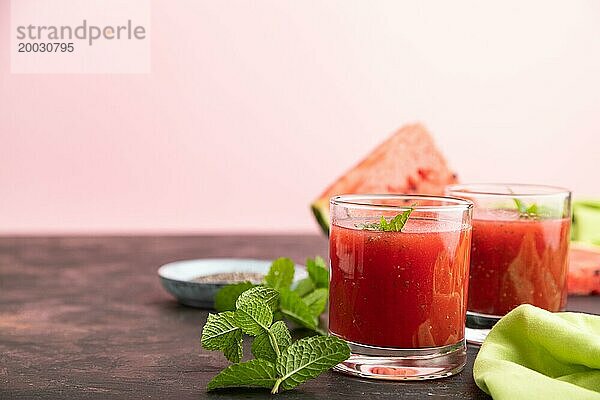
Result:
[{"x": 252, "y": 108}]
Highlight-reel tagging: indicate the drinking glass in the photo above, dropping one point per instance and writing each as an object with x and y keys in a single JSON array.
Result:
[
  {"x": 398, "y": 297},
  {"x": 519, "y": 250}
]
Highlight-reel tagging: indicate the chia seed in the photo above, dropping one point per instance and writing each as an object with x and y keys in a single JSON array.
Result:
[{"x": 230, "y": 277}]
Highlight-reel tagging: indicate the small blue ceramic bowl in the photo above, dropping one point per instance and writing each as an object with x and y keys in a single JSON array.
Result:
[{"x": 177, "y": 277}]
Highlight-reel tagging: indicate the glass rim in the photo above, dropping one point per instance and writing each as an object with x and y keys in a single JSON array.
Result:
[
  {"x": 477, "y": 189},
  {"x": 353, "y": 200}
]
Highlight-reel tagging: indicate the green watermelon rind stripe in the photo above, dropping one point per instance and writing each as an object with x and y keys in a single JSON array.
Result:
[{"x": 321, "y": 217}]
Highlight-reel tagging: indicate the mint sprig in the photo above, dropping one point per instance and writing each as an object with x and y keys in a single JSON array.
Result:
[
  {"x": 525, "y": 211},
  {"x": 393, "y": 225},
  {"x": 279, "y": 364},
  {"x": 534, "y": 211},
  {"x": 302, "y": 304}
]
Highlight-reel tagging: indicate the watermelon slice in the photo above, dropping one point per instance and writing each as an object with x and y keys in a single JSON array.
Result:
[
  {"x": 584, "y": 269},
  {"x": 407, "y": 162}
]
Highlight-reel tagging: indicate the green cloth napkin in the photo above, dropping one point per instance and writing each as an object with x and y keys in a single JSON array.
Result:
[{"x": 535, "y": 354}]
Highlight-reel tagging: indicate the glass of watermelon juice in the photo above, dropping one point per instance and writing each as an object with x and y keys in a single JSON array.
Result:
[
  {"x": 519, "y": 250},
  {"x": 398, "y": 289}
]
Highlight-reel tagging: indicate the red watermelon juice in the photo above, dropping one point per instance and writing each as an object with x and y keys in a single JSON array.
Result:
[
  {"x": 517, "y": 260},
  {"x": 403, "y": 289}
]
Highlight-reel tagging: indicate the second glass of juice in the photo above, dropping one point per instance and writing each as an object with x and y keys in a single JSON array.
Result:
[
  {"x": 519, "y": 252},
  {"x": 398, "y": 290}
]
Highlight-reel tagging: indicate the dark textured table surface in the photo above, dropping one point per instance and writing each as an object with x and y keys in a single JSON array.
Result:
[{"x": 86, "y": 317}]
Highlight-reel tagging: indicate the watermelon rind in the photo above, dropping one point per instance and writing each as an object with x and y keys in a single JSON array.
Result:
[{"x": 320, "y": 209}]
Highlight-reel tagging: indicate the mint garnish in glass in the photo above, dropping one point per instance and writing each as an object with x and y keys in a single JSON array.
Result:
[
  {"x": 534, "y": 211},
  {"x": 393, "y": 225}
]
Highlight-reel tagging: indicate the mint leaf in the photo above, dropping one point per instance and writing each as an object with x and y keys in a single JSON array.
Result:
[
  {"x": 307, "y": 358},
  {"x": 253, "y": 373},
  {"x": 374, "y": 226},
  {"x": 384, "y": 224},
  {"x": 316, "y": 301},
  {"x": 534, "y": 211},
  {"x": 398, "y": 222},
  {"x": 226, "y": 297},
  {"x": 304, "y": 287},
  {"x": 253, "y": 315},
  {"x": 281, "y": 273},
  {"x": 262, "y": 346},
  {"x": 524, "y": 211},
  {"x": 520, "y": 206},
  {"x": 221, "y": 333},
  {"x": 394, "y": 225},
  {"x": 293, "y": 307},
  {"x": 269, "y": 295},
  {"x": 318, "y": 272}
]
